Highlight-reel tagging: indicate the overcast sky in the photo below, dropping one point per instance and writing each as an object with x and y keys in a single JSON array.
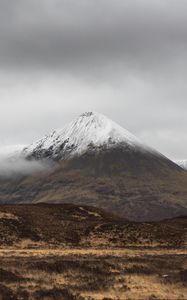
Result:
[{"x": 124, "y": 58}]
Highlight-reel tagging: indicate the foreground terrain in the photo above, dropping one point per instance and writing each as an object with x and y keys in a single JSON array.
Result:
[
  {"x": 73, "y": 252},
  {"x": 99, "y": 274}
]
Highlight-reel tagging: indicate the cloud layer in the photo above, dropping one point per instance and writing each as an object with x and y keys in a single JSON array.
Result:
[
  {"x": 127, "y": 59},
  {"x": 82, "y": 36},
  {"x": 12, "y": 164}
]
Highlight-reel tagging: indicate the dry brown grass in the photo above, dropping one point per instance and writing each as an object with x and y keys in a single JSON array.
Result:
[
  {"x": 93, "y": 274},
  {"x": 67, "y": 252}
]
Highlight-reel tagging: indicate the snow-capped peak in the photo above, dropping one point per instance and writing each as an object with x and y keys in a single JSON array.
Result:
[{"x": 89, "y": 130}]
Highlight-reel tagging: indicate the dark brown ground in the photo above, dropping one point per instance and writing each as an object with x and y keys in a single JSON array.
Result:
[
  {"x": 67, "y": 224},
  {"x": 73, "y": 252}
]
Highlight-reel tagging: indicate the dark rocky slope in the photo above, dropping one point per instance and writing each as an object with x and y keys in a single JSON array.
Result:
[{"x": 131, "y": 184}]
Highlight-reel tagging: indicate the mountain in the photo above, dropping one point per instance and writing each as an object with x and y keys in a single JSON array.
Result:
[
  {"x": 93, "y": 137},
  {"x": 182, "y": 163},
  {"x": 91, "y": 131},
  {"x": 98, "y": 163}
]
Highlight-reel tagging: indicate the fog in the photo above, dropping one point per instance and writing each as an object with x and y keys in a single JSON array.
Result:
[{"x": 14, "y": 165}]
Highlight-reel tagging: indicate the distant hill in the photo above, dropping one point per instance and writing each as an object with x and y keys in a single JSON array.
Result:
[{"x": 70, "y": 225}]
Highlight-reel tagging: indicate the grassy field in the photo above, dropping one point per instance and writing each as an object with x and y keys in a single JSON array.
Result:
[
  {"x": 68, "y": 252},
  {"x": 93, "y": 274}
]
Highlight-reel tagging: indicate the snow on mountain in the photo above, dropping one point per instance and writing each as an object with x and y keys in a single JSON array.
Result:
[
  {"x": 89, "y": 131},
  {"x": 182, "y": 163}
]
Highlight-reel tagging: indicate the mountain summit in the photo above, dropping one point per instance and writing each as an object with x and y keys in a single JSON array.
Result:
[
  {"x": 95, "y": 142},
  {"x": 91, "y": 131}
]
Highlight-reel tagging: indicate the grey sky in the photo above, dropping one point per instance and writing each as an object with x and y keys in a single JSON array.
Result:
[{"x": 124, "y": 58}]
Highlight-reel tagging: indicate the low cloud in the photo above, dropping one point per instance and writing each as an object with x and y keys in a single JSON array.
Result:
[{"x": 12, "y": 164}]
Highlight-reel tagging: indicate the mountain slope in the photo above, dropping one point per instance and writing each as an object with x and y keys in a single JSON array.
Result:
[
  {"x": 142, "y": 197},
  {"x": 98, "y": 163}
]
